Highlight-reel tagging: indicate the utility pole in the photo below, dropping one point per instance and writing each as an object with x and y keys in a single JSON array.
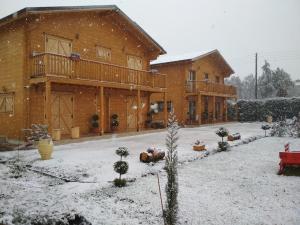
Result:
[{"x": 255, "y": 75}]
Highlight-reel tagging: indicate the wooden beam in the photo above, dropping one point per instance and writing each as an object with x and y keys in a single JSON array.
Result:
[
  {"x": 199, "y": 109},
  {"x": 226, "y": 110},
  {"x": 214, "y": 109},
  {"x": 101, "y": 108},
  {"x": 47, "y": 108},
  {"x": 138, "y": 110},
  {"x": 165, "y": 110}
]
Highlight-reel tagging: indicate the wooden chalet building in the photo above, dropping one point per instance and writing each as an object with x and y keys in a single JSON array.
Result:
[
  {"x": 61, "y": 65},
  {"x": 195, "y": 85}
]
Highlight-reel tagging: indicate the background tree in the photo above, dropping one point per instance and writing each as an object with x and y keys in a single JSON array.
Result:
[
  {"x": 281, "y": 81},
  {"x": 265, "y": 84},
  {"x": 236, "y": 81},
  {"x": 170, "y": 213}
]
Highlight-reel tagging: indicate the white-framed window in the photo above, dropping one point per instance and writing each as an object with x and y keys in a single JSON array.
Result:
[
  {"x": 6, "y": 102},
  {"x": 103, "y": 53},
  {"x": 192, "y": 75}
]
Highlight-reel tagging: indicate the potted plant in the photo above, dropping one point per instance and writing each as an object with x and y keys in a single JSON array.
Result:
[
  {"x": 95, "y": 123},
  {"x": 223, "y": 145},
  {"x": 265, "y": 127},
  {"x": 114, "y": 122},
  {"x": 40, "y": 137},
  {"x": 199, "y": 146}
]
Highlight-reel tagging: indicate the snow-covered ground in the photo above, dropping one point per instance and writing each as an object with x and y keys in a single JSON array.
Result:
[{"x": 235, "y": 187}]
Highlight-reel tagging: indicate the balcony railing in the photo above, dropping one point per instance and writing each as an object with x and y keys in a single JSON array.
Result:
[
  {"x": 206, "y": 86},
  {"x": 62, "y": 66}
]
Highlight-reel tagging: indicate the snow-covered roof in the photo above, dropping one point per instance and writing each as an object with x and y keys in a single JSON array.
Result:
[
  {"x": 182, "y": 57},
  {"x": 164, "y": 59}
]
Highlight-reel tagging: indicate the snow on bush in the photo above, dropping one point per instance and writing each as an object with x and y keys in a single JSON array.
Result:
[
  {"x": 258, "y": 110},
  {"x": 223, "y": 145},
  {"x": 121, "y": 167}
]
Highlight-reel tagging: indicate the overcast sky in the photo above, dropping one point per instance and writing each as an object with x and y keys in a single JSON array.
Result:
[{"x": 238, "y": 28}]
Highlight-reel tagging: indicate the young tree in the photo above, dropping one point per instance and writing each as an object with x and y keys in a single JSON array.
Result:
[
  {"x": 223, "y": 145},
  {"x": 121, "y": 166},
  {"x": 170, "y": 213}
]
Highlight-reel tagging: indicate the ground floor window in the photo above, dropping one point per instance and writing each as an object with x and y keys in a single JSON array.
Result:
[{"x": 6, "y": 103}]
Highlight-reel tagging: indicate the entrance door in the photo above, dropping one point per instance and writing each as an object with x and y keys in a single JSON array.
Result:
[
  {"x": 62, "y": 112},
  {"x": 131, "y": 113},
  {"x": 192, "y": 110}
]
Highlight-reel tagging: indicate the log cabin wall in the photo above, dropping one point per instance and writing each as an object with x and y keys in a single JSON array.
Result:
[
  {"x": 12, "y": 67},
  {"x": 85, "y": 31},
  {"x": 175, "y": 88},
  {"x": 209, "y": 68}
]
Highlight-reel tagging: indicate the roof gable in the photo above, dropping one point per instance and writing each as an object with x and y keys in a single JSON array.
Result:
[{"x": 40, "y": 10}]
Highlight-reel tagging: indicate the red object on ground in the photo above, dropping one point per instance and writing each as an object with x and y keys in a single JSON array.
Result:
[{"x": 288, "y": 158}]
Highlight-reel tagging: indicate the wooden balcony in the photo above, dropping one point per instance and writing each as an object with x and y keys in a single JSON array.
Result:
[
  {"x": 210, "y": 88},
  {"x": 94, "y": 72}
]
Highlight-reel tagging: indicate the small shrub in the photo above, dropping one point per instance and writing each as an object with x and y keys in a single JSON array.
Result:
[
  {"x": 265, "y": 127},
  {"x": 279, "y": 129},
  {"x": 223, "y": 145},
  {"x": 121, "y": 167},
  {"x": 119, "y": 182}
]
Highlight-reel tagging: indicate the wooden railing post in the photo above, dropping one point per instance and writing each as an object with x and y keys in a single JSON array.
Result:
[
  {"x": 101, "y": 110},
  {"x": 165, "y": 109},
  {"x": 138, "y": 109},
  {"x": 199, "y": 109},
  {"x": 214, "y": 109},
  {"x": 47, "y": 107}
]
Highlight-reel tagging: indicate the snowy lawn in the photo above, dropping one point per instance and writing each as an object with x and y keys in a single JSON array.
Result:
[
  {"x": 92, "y": 161},
  {"x": 235, "y": 187}
]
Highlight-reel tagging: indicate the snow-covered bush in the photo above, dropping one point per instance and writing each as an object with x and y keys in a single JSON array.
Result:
[
  {"x": 278, "y": 108},
  {"x": 16, "y": 169},
  {"x": 223, "y": 145},
  {"x": 170, "y": 213},
  {"x": 265, "y": 127},
  {"x": 279, "y": 129},
  {"x": 121, "y": 167}
]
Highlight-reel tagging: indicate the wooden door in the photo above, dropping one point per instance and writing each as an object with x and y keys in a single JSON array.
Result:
[
  {"x": 62, "y": 112},
  {"x": 60, "y": 65},
  {"x": 135, "y": 63},
  {"x": 131, "y": 113}
]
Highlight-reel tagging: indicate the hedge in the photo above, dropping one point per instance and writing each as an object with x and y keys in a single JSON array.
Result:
[{"x": 258, "y": 110}]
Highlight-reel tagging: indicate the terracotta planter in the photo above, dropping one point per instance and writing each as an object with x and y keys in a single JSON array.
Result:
[
  {"x": 199, "y": 147},
  {"x": 45, "y": 147}
]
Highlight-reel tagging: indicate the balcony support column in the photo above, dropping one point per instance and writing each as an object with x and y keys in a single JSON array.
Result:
[
  {"x": 138, "y": 110},
  {"x": 165, "y": 110},
  {"x": 199, "y": 109},
  {"x": 101, "y": 110},
  {"x": 214, "y": 109},
  {"x": 226, "y": 110},
  {"x": 47, "y": 108}
]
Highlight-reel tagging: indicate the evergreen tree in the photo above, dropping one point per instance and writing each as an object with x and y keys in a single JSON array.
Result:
[
  {"x": 266, "y": 88},
  {"x": 170, "y": 213}
]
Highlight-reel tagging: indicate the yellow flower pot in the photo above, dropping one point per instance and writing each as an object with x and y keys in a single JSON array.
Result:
[
  {"x": 75, "y": 133},
  {"x": 45, "y": 147},
  {"x": 56, "y": 134}
]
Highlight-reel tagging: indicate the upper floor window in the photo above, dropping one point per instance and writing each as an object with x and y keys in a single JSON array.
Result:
[
  {"x": 58, "y": 45},
  {"x": 217, "y": 79},
  {"x": 103, "y": 53},
  {"x": 192, "y": 75},
  {"x": 206, "y": 76},
  {"x": 6, "y": 103},
  {"x": 134, "y": 62}
]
